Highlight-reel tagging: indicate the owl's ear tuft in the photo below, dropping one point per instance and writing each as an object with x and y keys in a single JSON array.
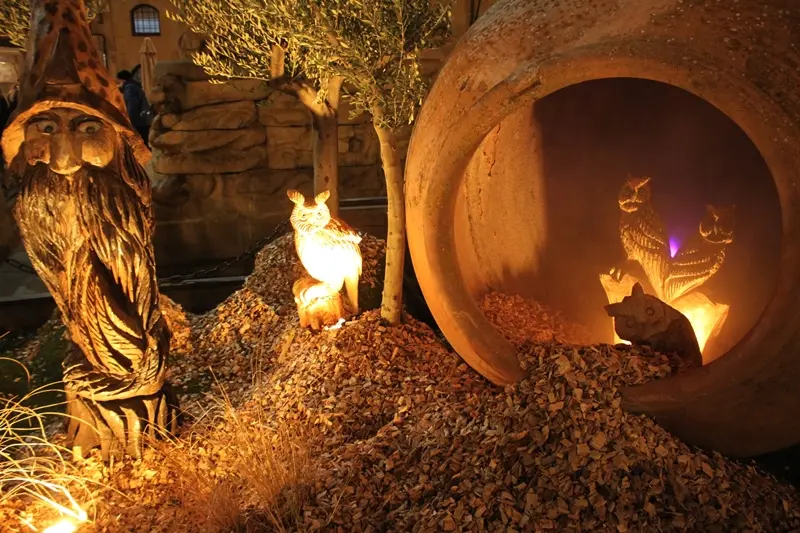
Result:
[
  {"x": 296, "y": 196},
  {"x": 322, "y": 197}
]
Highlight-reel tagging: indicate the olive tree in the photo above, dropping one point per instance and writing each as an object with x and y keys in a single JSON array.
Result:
[
  {"x": 312, "y": 49},
  {"x": 255, "y": 39},
  {"x": 375, "y": 47}
]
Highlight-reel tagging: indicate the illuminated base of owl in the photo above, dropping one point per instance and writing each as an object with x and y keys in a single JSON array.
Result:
[
  {"x": 118, "y": 427},
  {"x": 706, "y": 317},
  {"x": 317, "y": 305}
]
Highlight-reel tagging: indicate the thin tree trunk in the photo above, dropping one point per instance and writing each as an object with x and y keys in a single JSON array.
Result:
[
  {"x": 325, "y": 117},
  {"x": 326, "y": 158},
  {"x": 325, "y": 122},
  {"x": 392, "y": 302}
]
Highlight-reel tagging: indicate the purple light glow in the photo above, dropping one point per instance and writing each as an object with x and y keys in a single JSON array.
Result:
[{"x": 674, "y": 246}]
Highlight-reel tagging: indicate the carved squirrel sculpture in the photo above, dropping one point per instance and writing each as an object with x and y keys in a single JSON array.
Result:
[{"x": 645, "y": 320}]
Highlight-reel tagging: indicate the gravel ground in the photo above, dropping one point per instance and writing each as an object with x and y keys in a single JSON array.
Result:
[{"x": 372, "y": 428}]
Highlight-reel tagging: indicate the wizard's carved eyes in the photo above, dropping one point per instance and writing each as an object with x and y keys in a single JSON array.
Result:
[
  {"x": 89, "y": 126},
  {"x": 49, "y": 125},
  {"x": 46, "y": 126}
]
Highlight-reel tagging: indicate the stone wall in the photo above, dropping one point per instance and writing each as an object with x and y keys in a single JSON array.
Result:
[{"x": 233, "y": 149}]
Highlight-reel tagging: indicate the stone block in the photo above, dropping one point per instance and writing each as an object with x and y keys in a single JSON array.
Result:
[
  {"x": 289, "y": 147},
  {"x": 225, "y": 116},
  {"x": 280, "y": 109},
  {"x": 207, "y": 239},
  {"x": 168, "y": 94},
  {"x": 200, "y": 93},
  {"x": 165, "y": 121},
  {"x": 263, "y": 193},
  {"x": 361, "y": 182},
  {"x": 222, "y": 160},
  {"x": 358, "y": 145},
  {"x": 185, "y": 70},
  {"x": 176, "y": 141}
]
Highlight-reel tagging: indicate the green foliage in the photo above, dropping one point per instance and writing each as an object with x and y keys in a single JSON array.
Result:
[
  {"x": 239, "y": 35},
  {"x": 16, "y": 17},
  {"x": 373, "y": 45}
]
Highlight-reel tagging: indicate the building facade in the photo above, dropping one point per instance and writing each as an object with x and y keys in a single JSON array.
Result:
[
  {"x": 120, "y": 31},
  {"x": 10, "y": 64}
]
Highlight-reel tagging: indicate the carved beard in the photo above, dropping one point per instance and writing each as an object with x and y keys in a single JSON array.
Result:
[{"x": 88, "y": 236}]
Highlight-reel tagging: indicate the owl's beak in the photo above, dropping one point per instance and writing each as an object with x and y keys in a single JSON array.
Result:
[{"x": 63, "y": 157}]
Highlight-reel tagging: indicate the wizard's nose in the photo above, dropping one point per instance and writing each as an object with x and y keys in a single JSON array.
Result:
[{"x": 63, "y": 156}]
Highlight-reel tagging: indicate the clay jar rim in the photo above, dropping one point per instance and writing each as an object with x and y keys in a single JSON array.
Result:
[{"x": 432, "y": 244}]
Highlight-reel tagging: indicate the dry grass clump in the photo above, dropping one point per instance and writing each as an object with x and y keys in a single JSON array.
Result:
[
  {"x": 38, "y": 484},
  {"x": 234, "y": 472},
  {"x": 521, "y": 320}
]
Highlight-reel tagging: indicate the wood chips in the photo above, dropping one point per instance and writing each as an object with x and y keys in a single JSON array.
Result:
[{"x": 403, "y": 436}]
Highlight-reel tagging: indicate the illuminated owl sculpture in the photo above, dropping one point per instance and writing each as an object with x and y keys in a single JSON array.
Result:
[
  {"x": 643, "y": 235},
  {"x": 703, "y": 253},
  {"x": 327, "y": 247},
  {"x": 85, "y": 218},
  {"x": 674, "y": 280}
]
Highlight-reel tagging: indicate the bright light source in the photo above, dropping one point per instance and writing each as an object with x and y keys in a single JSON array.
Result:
[
  {"x": 674, "y": 246},
  {"x": 64, "y": 526}
]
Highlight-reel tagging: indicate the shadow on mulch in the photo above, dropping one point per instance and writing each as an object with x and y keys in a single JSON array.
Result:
[{"x": 783, "y": 464}]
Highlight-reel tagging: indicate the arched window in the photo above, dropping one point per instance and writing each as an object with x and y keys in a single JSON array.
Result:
[{"x": 145, "y": 20}]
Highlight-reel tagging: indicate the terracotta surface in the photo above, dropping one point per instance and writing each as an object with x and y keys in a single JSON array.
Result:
[{"x": 741, "y": 57}]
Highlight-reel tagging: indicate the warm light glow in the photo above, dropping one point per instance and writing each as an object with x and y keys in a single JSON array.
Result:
[
  {"x": 75, "y": 515},
  {"x": 674, "y": 246},
  {"x": 706, "y": 316},
  {"x": 316, "y": 292},
  {"x": 64, "y": 526},
  {"x": 338, "y": 325},
  {"x": 318, "y": 305}
]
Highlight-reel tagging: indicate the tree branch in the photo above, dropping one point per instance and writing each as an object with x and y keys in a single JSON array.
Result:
[
  {"x": 334, "y": 92},
  {"x": 277, "y": 62}
]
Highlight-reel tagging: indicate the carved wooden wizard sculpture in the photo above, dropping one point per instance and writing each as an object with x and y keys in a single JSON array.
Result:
[{"x": 85, "y": 218}]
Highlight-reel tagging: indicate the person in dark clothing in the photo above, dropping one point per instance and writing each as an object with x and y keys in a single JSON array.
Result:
[
  {"x": 135, "y": 102},
  {"x": 7, "y": 105}
]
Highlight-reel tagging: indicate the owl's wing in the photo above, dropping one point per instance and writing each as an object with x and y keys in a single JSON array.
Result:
[
  {"x": 119, "y": 291},
  {"x": 345, "y": 238},
  {"x": 343, "y": 231},
  {"x": 693, "y": 265},
  {"x": 645, "y": 240}
]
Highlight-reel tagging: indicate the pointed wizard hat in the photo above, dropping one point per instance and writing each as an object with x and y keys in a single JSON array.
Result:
[{"x": 63, "y": 69}]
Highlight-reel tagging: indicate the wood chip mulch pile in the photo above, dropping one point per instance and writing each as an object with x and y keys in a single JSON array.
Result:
[
  {"x": 399, "y": 434},
  {"x": 522, "y": 321}
]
